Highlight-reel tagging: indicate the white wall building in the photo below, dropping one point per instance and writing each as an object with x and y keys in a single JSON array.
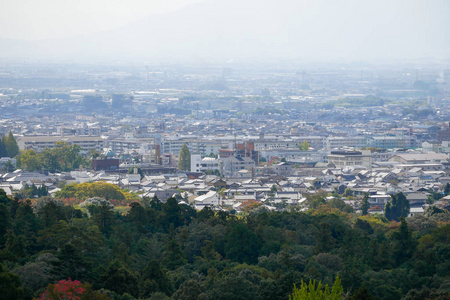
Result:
[
  {"x": 209, "y": 199},
  {"x": 201, "y": 165}
]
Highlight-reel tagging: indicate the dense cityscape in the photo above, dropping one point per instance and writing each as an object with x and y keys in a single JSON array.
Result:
[{"x": 225, "y": 181}]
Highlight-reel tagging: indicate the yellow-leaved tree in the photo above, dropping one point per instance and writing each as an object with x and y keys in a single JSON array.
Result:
[{"x": 313, "y": 291}]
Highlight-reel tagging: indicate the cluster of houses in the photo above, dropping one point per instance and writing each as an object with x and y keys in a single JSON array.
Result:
[{"x": 420, "y": 176}]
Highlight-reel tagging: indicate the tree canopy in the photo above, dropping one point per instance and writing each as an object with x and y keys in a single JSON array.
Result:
[
  {"x": 396, "y": 208},
  {"x": 8, "y": 146},
  {"x": 184, "y": 159},
  {"x": 62, "y": 158},
  {"x": 167, "y": 250}
]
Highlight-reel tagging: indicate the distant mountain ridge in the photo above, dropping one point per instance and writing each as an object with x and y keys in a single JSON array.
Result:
[{"x": 261, "y": 30}]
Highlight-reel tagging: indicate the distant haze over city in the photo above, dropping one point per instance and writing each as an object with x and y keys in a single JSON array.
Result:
[{"x": 227, "y": 31}]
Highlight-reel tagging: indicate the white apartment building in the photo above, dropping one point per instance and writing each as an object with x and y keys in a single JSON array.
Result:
[
  {"x": 340, "y": 142},
  {"x": 39, "y": 143}
]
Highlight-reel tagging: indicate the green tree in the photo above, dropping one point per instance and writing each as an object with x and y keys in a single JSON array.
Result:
[
  {"x": 404, "y": 244},
  {"x": 12, "y": 149},
  {"x": 5, "y": 219},
  {"x": 3, "y": 152},
  {"x": 396, "y": 208},
  {"x": 70, "y": 264},
  {"x": 365, "y": 204},
  {"x": 312, "y": 291},
  {"x": 184, "y": 159},
  {"x": 9, "y": 285},
  {"x": 103, "y": 217},
  {"x": 119, "y": 279},
  {"x": 304, "y": 146},
  {"x": 153, "y": 279},
  {"x": 242, "y": 244},
  {"x": 86, "y": 190},
  {"x": 190, "y": 290},
  {"x": 29, "y": 160}
]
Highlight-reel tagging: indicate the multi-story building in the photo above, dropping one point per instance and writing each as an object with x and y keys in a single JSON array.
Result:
[
  {"x": 121, "y": 145},
  {"x": 342, "y": 159},
  {"x": 315, "y": 142},
  {"x": 340, "y": 142},
  {"x": 39, "y": 143},
  {"x": 230, "y": 166},
  {"x": 201, "y": 165},
  {"x": 391, "y": 142}
]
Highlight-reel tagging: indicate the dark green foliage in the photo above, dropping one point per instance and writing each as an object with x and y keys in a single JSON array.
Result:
[
  {"x": 4, "y": 222},
  {"x": 32, "y": 191},
  {"x": 184, "y": 159},
  {"x": 242, "y": 245},
  {"x": 120, "y": 280},
  {"x": 173, "y": 257},
  {"x": 396, "y": 208},
  {"x": 362, "y": 294},
  {"x": 325, "y": 241},
  {"x": 70, "y": 264},
  {"x": 50, "y": 212},
  {"x": 35, "y": 275},
  {"x": 234, "y": 288},
  {"x": 12, "y": 149},
  {"x": 9, "y": 285},
  {"x": 205, "y": 214},
  {"x": 157, "y": 250},
  {"x": 403, "y": 243},
  {"x": 3, "y": 152},
  {"x": 365, "y": 204},
  {"x": 103, "y": 217},
  {"x": 190, "y": 290},
  {"x": 153, "y": 279}
]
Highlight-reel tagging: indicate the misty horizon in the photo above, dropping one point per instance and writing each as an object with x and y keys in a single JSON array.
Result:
[{"x": 213, "y": 31}]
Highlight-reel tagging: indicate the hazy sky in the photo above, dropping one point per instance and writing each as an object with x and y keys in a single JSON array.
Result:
[
  {"x": 226, "y": 29},
  {"x": 41, "y": 19}
]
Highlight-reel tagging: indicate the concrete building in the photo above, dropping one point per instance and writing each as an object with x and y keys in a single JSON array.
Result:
[
  {"x": 420, "y": 158},
  {"x": 201, "y": 165},
  {"x": 39, "y": 143},
  {"x": 342, "y": 159},
  {"x": 340, "y": 142},
  {"x": 231, "y": 166},
  {"x": 119, "y": 146},
  {"x": 391, "y": 142}
]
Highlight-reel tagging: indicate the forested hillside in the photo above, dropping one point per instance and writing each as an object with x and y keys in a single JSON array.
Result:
[{"x": 171, "y": 251}]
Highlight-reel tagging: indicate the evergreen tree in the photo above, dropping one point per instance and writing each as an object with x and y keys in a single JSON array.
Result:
[
  {"x": 404, "y": 243},
  {"x": 396, "y": 208},
  {"x": 12, "y": 149},
  {"x": 3, "y": 152},
  {"x": 184, "y": 159},
  {"x": 120, "y": 280},
  {"x": 365, "y": 205},
  {"x": 153, "y": 279},
  {"x": 70, "y": 264},
  {"x": 9, "y": 285}
]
